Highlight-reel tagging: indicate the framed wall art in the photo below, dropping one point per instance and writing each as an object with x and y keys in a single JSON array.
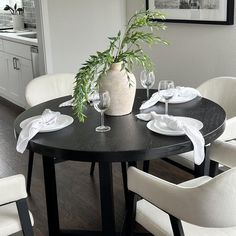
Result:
[{"x": 195, "y": 11}]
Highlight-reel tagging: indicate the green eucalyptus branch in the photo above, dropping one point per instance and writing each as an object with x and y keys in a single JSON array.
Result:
[{"x": 125, "y": 48}]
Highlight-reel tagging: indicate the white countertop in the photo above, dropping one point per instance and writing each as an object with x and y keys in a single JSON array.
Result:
[{"x": 16, "y": 38}]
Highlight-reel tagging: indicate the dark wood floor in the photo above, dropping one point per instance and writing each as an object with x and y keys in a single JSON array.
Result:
[{"x": 78, "y": 193}]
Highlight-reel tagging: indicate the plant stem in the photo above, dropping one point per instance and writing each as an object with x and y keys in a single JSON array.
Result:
[{"x": 125, "y": 35}]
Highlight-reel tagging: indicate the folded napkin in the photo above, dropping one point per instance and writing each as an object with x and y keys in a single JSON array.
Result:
[
  {"x": 68, "y": 103},
  {"x": 194, "y": 134},
  {"x": 186, "y": 92},
  {"x": 156, "y": 97},
  {"x": 179, "y": 92},
  {"x": 48, "y": 117}
]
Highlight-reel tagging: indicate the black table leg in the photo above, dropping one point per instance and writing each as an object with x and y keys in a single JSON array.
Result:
[
  {"x": 29, "y": 173},
  {"x": 124, "y": 176},
  {"x": 146, "y": 166},
  {"x": 51, "y": 195},
  {"x": 203, "y": 169},
  {"x": 214, "y": 168},
  {"x": 107, "y": 200}
]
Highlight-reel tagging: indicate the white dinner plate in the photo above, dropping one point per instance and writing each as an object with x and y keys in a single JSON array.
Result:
[
  {"x": 178, "y": 98},
  {"x": 161, "y": 128},
  {"x": 61, "y": 122}
]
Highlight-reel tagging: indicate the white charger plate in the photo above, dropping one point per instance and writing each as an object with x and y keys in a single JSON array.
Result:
[
  {"x": 61, "y": 122},
  {"x": 161, "y": 128},
  {"x": 182, "y": 99}
]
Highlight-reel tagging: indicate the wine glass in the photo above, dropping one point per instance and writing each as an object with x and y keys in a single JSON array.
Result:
[
  {"x": 167, "y": 91},
  {"x": 101, "y": 103},
  {"x": 147, "y": 80}
]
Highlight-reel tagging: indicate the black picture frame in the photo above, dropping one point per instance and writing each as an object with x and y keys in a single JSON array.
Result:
[{"x": 228, "y": 11}]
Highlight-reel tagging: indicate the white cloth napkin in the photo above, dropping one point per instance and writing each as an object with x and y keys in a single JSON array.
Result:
[
  {"x": 194, "y": 134},
  {"x": 48, "y": 117},
  {"x": 68, "y": 103},
  {"x": 179, "y": 92},
  {"x": 186, "y": 92},
  {"x": 156, "y": 97}
]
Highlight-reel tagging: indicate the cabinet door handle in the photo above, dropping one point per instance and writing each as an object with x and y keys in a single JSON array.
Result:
[
  {"x": 17, "y": 59},
  {"x": 14, "y": 62}
]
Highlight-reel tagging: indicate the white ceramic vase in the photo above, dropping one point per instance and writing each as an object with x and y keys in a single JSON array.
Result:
[
  {"x": 18, "y": 22},
  {"x": 122, "y": 90}
]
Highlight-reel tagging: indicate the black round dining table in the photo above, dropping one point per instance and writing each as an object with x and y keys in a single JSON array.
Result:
[{"x": 129, "y": 140}]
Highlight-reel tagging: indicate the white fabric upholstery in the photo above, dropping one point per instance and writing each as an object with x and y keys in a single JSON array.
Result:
[
  {"x": 221, "y": 90},
  {"x": 230, "y": 129},
  {"x": 9, "y": 219},
  {"x": 157, "y": 222},
  {"x": 224, "y": 153},
  {"x": 185, "y": 159},
  {"x": 210, "y": 203},
  {"x": 12, "y": 189},
  {"x": 195, "y": 182},
  {"x": 48, "y": 87}
]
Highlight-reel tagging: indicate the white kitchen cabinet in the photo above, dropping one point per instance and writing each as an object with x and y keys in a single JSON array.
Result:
[
  {"x": 15, "y": 71},
  {"x": 3, "y": 74},
  {"x": 19, "y": 74}
]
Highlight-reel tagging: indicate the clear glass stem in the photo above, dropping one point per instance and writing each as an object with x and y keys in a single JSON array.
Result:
[
  {"x": 166, "y": 107},
  {"x": 102, "y": 118},
  {"x": 147, "y": 92}
]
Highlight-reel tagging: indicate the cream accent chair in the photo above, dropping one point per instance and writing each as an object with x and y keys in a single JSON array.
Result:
[
  {"x": 48, "y": 87},
  {"x": 224, "y": 153},
  {"x": 42, "y": 89},
  {"x": 14, "y": 214},
  {"x": 221, "y": 90},
  {"x": 203, "y": 206}
]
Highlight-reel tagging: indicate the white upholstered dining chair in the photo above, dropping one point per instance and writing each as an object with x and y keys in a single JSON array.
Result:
[
  {"x": 203, "y": 206},
  {"x": 221, "y": 90},
  {"x": 42, "y": 89},
  {"x": 48, "y": 87},
  {"x": 14, "y": 214}
]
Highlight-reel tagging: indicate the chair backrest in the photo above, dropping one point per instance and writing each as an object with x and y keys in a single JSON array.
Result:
[
  {"x": 221, "y": 90},
  {"x": 14, "y": 214},
  {"x": 209, "y": 204},
  {"x": 48, "y": 87},
  {"x": 215, "y": 201}
]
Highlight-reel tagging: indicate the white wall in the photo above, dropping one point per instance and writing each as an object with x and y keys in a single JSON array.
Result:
[
  {"x": 196, "y": 52},
  {"x": 75, "y": 29}
]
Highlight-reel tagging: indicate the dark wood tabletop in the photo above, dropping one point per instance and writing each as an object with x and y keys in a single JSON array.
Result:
[
  {"x": 128, "y": 141},
  {"x": 129, "y": 138}
]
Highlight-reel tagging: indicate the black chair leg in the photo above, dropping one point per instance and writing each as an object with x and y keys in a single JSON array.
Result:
[
  {"x": 24, "y": 217},
  {"x": 176, "y": 226},
  {"x": 29, "y": 174},
  {"x": 92, "y": 168}
]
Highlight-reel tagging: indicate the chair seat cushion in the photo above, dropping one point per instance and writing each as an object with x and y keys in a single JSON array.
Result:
[
  {"x": 185, "y": 159},
  {"x": 9, "y": 219},
  {"x": 157, "y": 222}
]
